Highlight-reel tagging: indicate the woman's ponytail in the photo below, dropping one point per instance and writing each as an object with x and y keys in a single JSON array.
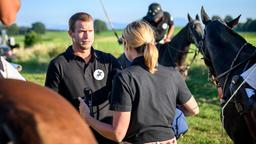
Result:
[
  {"x": 140, "y": 36},
  {"x": 151, "y": 57}
]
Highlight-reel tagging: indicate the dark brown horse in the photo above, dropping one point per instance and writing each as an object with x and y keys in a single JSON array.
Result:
[
  {"x": 227, "y": 55},
  {"x": 175, "y": 52},
  {"x": 32, "y": 114}
]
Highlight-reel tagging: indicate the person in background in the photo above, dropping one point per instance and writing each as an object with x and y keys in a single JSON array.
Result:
[
  {"x": 82, "y": 71},
  {"x": 8, "y": 11},
  {"x": 161, "y": 22},
  {"x": 143, "y": 111}
]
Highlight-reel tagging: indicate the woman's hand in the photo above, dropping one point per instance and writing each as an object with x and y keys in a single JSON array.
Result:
[{"x": 83, "y": 109}]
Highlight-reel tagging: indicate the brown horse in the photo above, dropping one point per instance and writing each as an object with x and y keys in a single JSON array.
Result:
[
  {"x": 32, "y": 114},
  {"x": 174, "y": 53}
]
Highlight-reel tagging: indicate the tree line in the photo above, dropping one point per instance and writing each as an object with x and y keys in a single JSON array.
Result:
[
  {"x": 33, "y": 34},
  {"x": 39, "y": 28},
  {"x": 248, "y": 26}
]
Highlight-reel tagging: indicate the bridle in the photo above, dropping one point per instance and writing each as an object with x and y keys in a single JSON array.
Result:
[
  {"x": 198, "y": 44},
  {"x": 215, "y": 78},
  {"x": 212, "y": 75},
  {"x": 195, "y": 51}
]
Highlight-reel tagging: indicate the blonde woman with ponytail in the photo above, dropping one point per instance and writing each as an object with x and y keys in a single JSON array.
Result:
[{"x": 144, "y": 95}]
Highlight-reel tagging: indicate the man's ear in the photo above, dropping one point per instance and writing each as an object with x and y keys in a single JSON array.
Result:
[{"x": 70, "y": 33}]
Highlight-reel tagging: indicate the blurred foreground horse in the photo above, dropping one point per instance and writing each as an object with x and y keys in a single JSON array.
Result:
[{"x": 32, "y": 114}]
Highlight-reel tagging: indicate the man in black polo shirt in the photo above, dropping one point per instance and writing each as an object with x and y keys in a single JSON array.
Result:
[
  {"x": 82, "y": 71},
  {"x": 161, "y": 22}
]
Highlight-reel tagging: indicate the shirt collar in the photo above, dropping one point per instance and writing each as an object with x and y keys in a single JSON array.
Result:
[
  {"x": 70, "y": 53},
  {"x": 138, "y": 61}
]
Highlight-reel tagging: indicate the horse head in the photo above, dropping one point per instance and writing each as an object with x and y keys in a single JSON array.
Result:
[
  {"x": 196, "y": 32},
  {"x": 227, "y": 54},
  {"x": 32, "y": 114},
  {"x": 175, "y": 52},
  {"x": 220, "y": 43}
]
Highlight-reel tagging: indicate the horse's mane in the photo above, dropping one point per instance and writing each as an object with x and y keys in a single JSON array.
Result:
[
  {"x": 179, "y": 45},
  {"x": 219, "y": 28},
  {"x": 179, "y": 36}
]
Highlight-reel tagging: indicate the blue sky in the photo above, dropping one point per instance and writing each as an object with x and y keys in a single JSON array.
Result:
[{"x": 55, "y": 13}]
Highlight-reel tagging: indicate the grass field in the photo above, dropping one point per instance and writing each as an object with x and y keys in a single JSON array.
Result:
[{"x": 205, "y": 128}]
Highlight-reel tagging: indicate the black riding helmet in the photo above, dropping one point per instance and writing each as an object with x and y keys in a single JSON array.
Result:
[{"x": 154, "y": 11}]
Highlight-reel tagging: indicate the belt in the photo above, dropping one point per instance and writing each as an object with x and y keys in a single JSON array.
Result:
[{"x": 170, "y": 141}]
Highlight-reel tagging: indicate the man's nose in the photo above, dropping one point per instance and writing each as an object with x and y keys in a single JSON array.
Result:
[{"x": 85, "y": 35}]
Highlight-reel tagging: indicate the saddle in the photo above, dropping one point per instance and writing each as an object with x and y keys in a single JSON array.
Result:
[{"x": 245, "y": 102}]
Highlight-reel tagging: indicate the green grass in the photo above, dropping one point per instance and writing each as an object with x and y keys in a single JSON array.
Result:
[{"x": 206, "y": 128}]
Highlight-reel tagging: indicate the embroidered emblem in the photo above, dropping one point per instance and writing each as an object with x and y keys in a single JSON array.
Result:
[
  {"x": 98, "y": 74},
  {"x": 164, "y": 26}
]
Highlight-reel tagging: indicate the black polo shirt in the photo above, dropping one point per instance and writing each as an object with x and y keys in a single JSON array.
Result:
[
  {"x": 161, "y": 27},
  {"x": 151, "y": 99},
  {"x": 71, "y": 77},
  {"x": 124, "y": 61}
]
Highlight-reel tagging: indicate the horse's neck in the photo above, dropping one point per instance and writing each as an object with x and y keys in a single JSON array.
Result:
[
  {"x": 247, "y": 51},
  {"x": 224, "y": 48},
  {"x": 181, "y": 43}
]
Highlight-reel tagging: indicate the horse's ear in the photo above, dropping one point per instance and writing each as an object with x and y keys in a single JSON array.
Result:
[
  {"x": 189, "y": 18},
  {"x": 234, "y": 22},
  {"x": 197, "y": 17},
  {"x": 205, "y": 18}
]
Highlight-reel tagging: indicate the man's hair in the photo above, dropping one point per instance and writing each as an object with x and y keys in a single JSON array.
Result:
[{"x": 82, "y": 16}]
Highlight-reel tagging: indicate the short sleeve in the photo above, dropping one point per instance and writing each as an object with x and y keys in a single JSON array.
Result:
[
  {"x": 120, "y": 99},
  {"x": 184, "y": 93},
  {"x": 169, "y": 18},
  {"x": 115, "y": 66},
  {"x": 53, "y": 76}
]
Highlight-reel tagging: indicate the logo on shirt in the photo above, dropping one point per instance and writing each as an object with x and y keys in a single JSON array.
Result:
[
  {"x": 98, "y": 74},
  {"x": 164, "y": 26}
]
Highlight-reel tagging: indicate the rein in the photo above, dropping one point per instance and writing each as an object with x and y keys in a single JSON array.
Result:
[
  {"x": 193, "y": 59},
  {"x": 215, "y": 79},
  {"x": 234, "y": 67},
  {"x": 181, "y": 51}
]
